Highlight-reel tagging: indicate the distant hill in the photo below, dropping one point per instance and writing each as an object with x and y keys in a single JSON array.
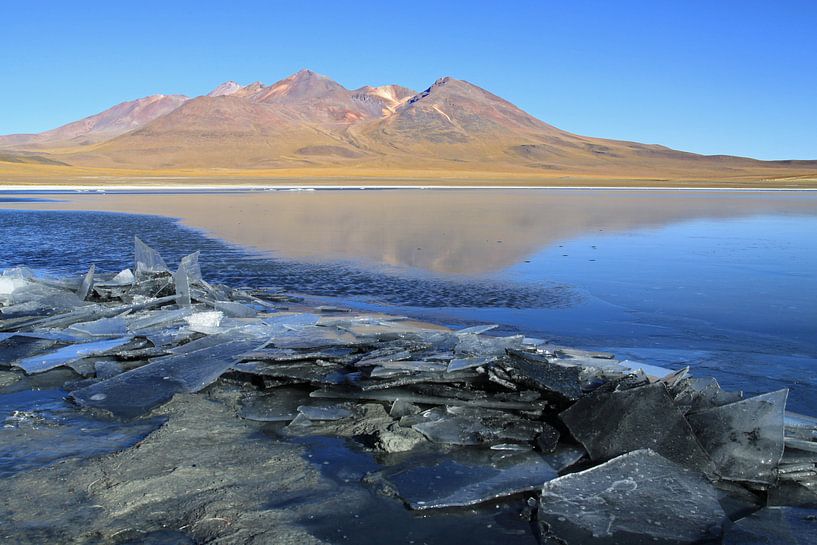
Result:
[{"x": 308, "y": 121}]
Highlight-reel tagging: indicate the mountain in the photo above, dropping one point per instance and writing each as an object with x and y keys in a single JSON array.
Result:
[
  {"x": 311, "y": 123},
  {"x": 111, "y": 123}
]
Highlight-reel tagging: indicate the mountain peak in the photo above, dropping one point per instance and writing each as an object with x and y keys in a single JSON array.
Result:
[
  {"x": 302, "y": 85},
  {"x": 226, "y": 88}
]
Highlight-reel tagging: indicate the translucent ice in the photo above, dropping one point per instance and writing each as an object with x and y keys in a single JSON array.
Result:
[
  {"x": 744, "y": 439},
  {"x": 87, "y": 284},
  {"x": 638, "y": 498},
  {"x": 148, "y": 260}
]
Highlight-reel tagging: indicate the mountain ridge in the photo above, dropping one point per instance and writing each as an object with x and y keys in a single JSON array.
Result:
[{"x": 309, "y": 121}]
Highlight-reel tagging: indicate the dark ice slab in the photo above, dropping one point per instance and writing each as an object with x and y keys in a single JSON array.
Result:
[{"x": 611, "y": 423}]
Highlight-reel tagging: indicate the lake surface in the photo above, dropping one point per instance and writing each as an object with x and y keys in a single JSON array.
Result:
[{"x": 725, "y": 282}]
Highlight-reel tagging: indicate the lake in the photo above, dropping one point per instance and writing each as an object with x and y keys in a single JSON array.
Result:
[{"x": 723, "y": 281}]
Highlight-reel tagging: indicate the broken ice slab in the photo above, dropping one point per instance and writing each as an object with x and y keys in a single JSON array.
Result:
[
  {"x": 611, "y": 423},
  {"x": 774, "y": 526},
  {"x": 69, "y": 354},
  {"x": 458, "y": 364},
  {"x": 744, "y": 439},
  {"x": 148, "y": 260},
  {"x": 87, "y": 284},
  {"x": 233, "y": 309},
  {"x": 535, "y": 371},
  {"x": 638, "y": 498},
  {"x": 298, "y": 372},
  {"x": 471, "y": 476},
  {"x": 471, "y": 344},
  {"x": 324, "y": 412},
  {"x": 16, "y": 347},
  {"x": 104, "y": 327},
  {"x": 92, "y": 312},
  {"x": 137, "y": 391}
]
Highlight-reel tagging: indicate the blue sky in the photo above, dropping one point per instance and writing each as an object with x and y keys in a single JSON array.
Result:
[{"x": 736, "y": 77}]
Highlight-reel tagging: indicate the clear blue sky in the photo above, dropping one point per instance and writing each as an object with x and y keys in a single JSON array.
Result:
[{"x": 736, "y": 77}]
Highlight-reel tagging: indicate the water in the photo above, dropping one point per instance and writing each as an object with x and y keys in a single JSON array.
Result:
[{"x": 723, "y": 281}]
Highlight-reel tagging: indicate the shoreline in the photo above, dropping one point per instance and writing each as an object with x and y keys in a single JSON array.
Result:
[{"x": 179, "y": 188}]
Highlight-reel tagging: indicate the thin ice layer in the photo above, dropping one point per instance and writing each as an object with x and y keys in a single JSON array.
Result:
[
  {"x": 609, "y": 424},
  {"x": 472, "y": 476},
  {"x": 639, "y": 498},
  {"x": 744, "y": 439}
]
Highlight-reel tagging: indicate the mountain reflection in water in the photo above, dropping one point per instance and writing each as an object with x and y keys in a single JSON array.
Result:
[{"x": 470, "y": 232}]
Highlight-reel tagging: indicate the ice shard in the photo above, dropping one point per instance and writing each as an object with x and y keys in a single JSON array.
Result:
[
  {"x": 87, "y": 284},
  {"x": 639, "y": 498},
  {"x": 181, "y": 281},
  {"x": 745, "y": 439},
  {"x": 611, "y": 423},
  {"x": 190, "y": 264},
  {"x": 123, "y": 278},
  {"x": 472, "y": 476},
  {"x": 147, "y": 259}
]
